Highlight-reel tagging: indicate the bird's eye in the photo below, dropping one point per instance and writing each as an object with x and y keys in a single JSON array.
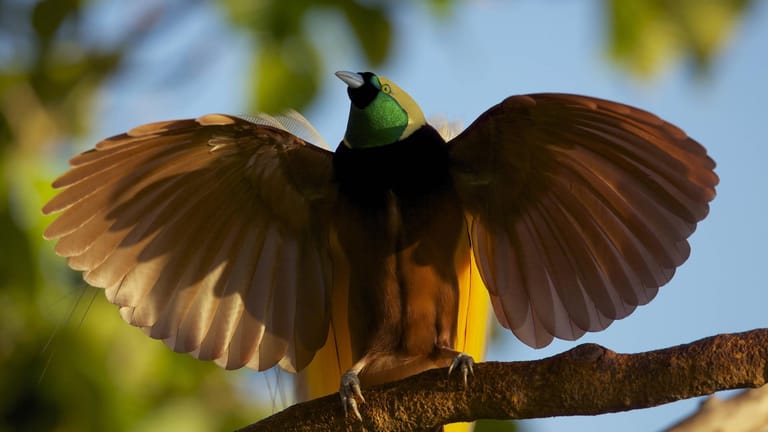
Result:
[{"x": 386, "y": 89}]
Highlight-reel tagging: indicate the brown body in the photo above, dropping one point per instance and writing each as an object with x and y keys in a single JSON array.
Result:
[
  {"x": 398, "y": 245},
  {"x": 403, "y": 289}
]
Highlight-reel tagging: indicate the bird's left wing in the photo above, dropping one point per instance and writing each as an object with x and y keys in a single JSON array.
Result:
[
  {"x": 580, "y": 209},
  {"x": 210, "y": 234}
]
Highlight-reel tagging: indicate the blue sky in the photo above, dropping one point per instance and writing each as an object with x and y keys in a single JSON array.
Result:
[{"x": 487, "y": 50}]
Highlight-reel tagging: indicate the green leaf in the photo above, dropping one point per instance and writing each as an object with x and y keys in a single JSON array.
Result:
[
  {"x": 287, "y": 75},
  {"x": 373, "y": 30}
]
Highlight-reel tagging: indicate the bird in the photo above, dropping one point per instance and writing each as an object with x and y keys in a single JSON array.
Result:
[{"x": 241, "y": 240}]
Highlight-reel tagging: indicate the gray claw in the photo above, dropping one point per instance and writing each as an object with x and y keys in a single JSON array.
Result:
[
  {"x": 465, "y": 363},
  {"x": 349, "y": 391}
]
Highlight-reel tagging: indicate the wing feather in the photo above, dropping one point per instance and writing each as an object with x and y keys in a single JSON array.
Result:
[
  {"x": 582, "y": 208},
  {"x": 210, "y": 234},
  {"x": 258, "y": 301},
  {"x": 280, "y": 323},
  {"x": 201, "y": 267},
  {"x": 574, "y": 236},
  {"x": 228, "y": 313},
  {"x": 560, "y": 270},
  {"x": 195, "y": 320},
  {"x": 547, "y": 304}
]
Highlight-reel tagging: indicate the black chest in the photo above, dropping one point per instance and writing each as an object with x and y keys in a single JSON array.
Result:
[{"x": 411, "y": 169}]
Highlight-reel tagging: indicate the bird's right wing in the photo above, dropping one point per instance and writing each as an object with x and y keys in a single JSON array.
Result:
[
  {"x": 210, "y": 234},
  {"x": 580, "y": 209}
]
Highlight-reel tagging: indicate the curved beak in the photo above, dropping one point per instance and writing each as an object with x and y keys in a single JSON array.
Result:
[{"x": 353, "y": 80}]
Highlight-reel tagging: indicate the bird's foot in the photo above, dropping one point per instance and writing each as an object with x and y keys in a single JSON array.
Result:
[
  {"x": 350, "y": 392},
  {"x": 464, "y": 363}
]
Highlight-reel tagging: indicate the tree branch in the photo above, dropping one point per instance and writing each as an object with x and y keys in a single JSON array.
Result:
[{"x": 586, "y": 380}]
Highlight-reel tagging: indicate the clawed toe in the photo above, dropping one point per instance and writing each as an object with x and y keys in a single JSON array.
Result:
[
  {"x": 465, "y": 363},
  {"x": 349, "y": 392}
]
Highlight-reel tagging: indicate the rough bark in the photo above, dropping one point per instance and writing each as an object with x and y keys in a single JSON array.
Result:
[{"x": 586, "y": 380}]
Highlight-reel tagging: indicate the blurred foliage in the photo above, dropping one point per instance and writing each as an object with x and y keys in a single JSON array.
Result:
[
  {"x": 644, "y": 36},
  {"x": 287, "y": 58},
  {"x": 55, "y": 59}
]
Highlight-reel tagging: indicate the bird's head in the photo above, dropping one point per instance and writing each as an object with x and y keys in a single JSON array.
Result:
[{"x": 381, "y": 113}]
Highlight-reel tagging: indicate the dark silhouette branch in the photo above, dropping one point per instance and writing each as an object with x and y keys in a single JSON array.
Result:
[{"x": 586, "y": 380}]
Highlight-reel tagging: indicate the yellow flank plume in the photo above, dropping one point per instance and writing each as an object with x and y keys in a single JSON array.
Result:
[
  {"x": 473, "y": 320},
  {"x": 474, "y": 307}
]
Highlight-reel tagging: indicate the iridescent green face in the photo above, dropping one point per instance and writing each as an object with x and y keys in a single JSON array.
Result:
[{"x": 381, "y": 113}]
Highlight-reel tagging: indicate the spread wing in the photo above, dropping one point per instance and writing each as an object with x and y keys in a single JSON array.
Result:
[
  {"x": 580, "y": 209},
  {"x": 210, "y": 234}
]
